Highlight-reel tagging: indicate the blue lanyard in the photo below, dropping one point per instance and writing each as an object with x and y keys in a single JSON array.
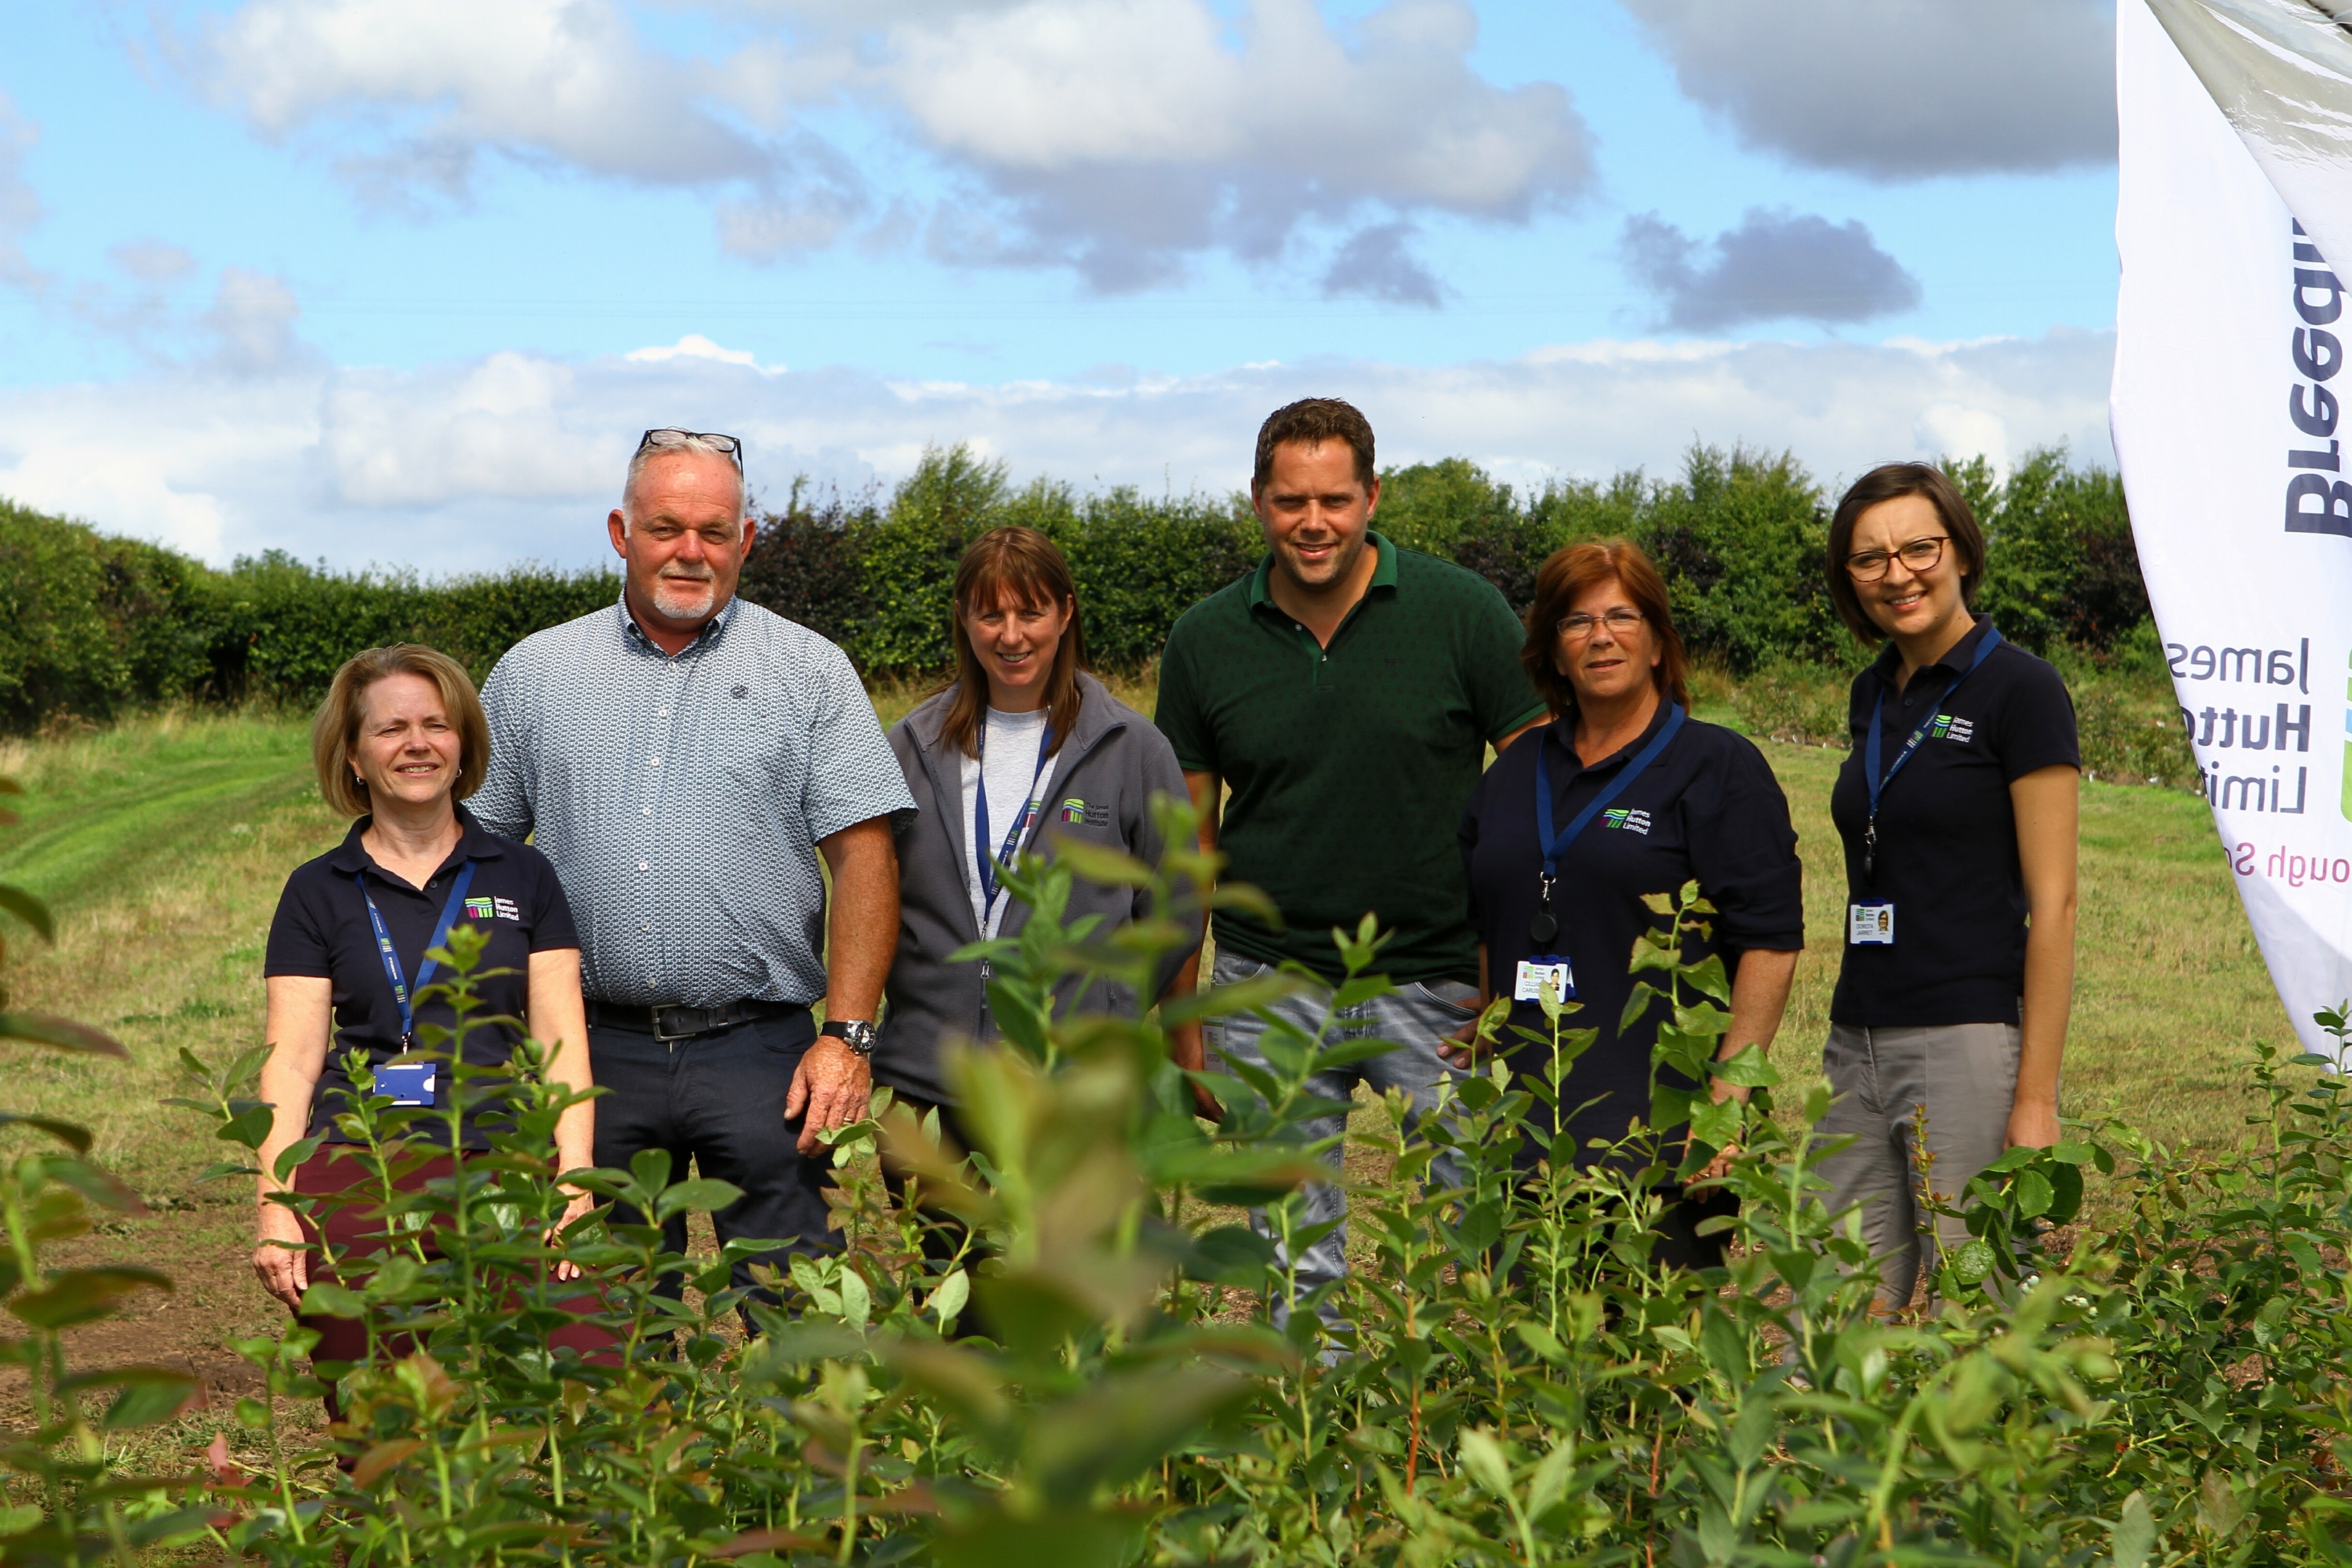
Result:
[
  {"x": 400, "y": 992},
  {"x": 1554, "y": 847},
  {"x": 988, "y": 865},
  {"x": 1873, "y": 748}
]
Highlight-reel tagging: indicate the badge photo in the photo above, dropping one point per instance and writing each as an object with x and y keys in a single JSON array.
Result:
[
  {"x": 1870, "y": 925},
  {"x": 1534, "y": 972}
]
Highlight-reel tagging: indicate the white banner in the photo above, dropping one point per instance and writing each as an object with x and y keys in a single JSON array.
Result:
[{"x": 2227, "y": 409}]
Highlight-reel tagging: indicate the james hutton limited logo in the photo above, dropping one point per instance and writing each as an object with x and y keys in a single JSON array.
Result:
[
  {"x": 1948, "y": 728},
  {"x": 1630, "y": 820},
  {"x": 479, "y": 909}
]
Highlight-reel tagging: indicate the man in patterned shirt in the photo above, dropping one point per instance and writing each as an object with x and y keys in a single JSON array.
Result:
[{"x": 684, "y": 758}]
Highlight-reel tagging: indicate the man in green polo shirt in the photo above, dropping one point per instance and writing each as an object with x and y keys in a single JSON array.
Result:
[{"x": 1347, "y": 692}]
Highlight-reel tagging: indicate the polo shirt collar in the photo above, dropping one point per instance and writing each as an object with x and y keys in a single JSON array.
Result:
[
  {"x": 1563, "y": 731},
  {"x": 1954, "y": 659},
  {"x": 475, "y": 842},
  {"x": 1385, "y": 570},
  {"x": 711, "y": 629}
]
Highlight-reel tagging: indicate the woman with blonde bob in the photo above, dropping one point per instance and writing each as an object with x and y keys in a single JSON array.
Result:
[
  {"x": 1623, "y": 796},
  {"x": 398, "y": 742},
  {"x": 1023, "y": 751}
]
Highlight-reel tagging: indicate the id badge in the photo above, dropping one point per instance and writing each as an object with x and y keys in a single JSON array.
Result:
[
  {"x": 1870, "y": 925},
  {"x": 1534, "y": 971},
  {"x": 408, "y": 1083}
]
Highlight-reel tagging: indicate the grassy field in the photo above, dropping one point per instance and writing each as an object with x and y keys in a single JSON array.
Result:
[{"x": 162, "y": 846}]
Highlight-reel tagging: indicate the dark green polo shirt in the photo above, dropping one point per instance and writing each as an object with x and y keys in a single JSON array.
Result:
[{"x": 1349, "y": 765}]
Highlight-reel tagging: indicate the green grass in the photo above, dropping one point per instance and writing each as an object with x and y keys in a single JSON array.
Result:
[{"x": 164, "y": 845}]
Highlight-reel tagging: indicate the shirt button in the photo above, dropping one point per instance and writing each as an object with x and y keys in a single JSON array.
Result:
[
  {"x": 657, "y": 762},
  {"x": 661, "y": 712},
  {"x": 650, "y": 811},
  {"x": 644, "y": 866}
]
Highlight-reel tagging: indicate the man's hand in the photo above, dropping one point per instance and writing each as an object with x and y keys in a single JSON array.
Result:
[
  {"x": 2033, "y": 1124},
  {"x": 285, "y": 1273},
  {"x": 1720, "y": 1089},
  {"x": 1464, "y": 1048},
  {"x": 833, "y": 1085},
  {"x": 582, "y": 1203},
  {"x": 1188, "y": 1051}
]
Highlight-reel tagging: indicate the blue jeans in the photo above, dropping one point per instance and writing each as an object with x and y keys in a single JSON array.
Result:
[
  {"x": 1417, "y": 1017},
  {"x": 719, "y": 1099}
]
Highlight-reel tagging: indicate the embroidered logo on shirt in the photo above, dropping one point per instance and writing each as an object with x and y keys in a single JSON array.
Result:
[
  {"x": 508, "y": 908},
  {"x": 1947, "y": 728},
  {"x": 1630, "y": 820},
  {"x": 478, "y": 909},
  {"x": 494, "y": 908},
  {"x": 1074, "y": 810}
]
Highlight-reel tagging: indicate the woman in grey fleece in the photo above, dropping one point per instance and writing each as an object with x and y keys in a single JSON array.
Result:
[{"x": 1024, "y": 749}]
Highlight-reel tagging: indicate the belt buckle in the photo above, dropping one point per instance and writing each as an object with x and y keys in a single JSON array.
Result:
[{"x": 664, "y": 1016}]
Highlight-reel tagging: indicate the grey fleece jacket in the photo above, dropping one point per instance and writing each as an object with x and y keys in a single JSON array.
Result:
[{"x": 1105, "y": 776}]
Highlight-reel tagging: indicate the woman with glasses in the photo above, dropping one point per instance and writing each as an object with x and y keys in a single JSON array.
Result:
[
  {"x": 1624, "y": 794},
  {"x": 1957, "y": 806}
]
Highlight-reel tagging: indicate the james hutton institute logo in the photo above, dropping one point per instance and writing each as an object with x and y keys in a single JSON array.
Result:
[
  {"x": 1074, "y": 810},
  {"x": 1630, "y": 820},
  {"x": 1948, "y": 728}
]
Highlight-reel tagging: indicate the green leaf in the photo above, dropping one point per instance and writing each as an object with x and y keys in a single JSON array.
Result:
[
  {"x": 702, "y": 1195},
  {"x": 64, "y": 1034},
  {"x": 949, "y": 1298},
  {"x": 149, "y": 1395},
  {"x": 2134, "y": 1532},
  {"x": 325, "y": 1298},
  {"x": 29, "y": 909},
  {"x": 248, "y": 1127},
  {"x": 74, "y": 1137},
  {"x": 2033, "y": 1193},
  {"x": 84, "y": 1295},
  {"x": 2218, "y": 1508},
  {"x": 1483, "y": 1458},
  {"x": 1098, "y": 864},
  {"x": 1972, "y": 1262},
  {"x": 1636, "y": 1004},
  {"x": 1749, "y": 1069}
]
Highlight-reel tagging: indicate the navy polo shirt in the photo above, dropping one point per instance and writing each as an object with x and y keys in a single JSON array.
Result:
[
  {"x": 321, "y": 929},
  {"x": 1708, "y": 809},
  {"x": 1946, "y": 834}
]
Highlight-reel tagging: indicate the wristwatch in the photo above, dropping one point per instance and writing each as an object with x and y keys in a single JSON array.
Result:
[{"x": 855, "y": 1033}]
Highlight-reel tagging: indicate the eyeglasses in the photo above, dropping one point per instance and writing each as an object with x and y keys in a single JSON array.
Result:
[
  {"x": 1919, "y": 555},
  {"x": 1619, "y": 622},
  {"x": 669, "y": 436}
]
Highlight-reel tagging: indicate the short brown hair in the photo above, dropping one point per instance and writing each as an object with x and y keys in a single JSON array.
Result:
[
  {"x": 1892, "y": 481},
  {"x": 1567, "y": 574},
  {"x": 336, "y": 729},
  {"x": 1033, "y": 570},
  {"x": 1311, "y": 421}
]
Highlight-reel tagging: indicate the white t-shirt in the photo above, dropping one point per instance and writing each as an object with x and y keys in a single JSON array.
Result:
[{"x": 1014, "y": 781}]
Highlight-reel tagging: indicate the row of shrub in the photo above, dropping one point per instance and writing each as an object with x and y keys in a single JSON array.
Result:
[{"x": 91, "y": 624}]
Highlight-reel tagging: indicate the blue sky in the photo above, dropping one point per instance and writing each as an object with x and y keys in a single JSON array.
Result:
[{"x": 362, "y": 278}]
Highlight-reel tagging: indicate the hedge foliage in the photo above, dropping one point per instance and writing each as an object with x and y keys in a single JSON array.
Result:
[{"x": 91, "y": 624}]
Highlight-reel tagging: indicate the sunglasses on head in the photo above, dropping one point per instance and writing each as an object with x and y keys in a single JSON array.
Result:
[{"x": 673, "y": 438}]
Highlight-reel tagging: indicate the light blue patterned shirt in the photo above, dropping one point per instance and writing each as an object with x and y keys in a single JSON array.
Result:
[{"x": 680, "y": 797}]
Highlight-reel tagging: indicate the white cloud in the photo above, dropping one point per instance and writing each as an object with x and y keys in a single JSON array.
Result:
[
  {"x": 514, "y": 456},
  {"x": 1902, "y": 89},
  {"x": 1119, "y": 137},
  {"x": 694, "y": 345},
  {"x": 20, "y": 209}
]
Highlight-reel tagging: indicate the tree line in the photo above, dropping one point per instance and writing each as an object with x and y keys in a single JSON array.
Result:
[{"x": 92, "y": 623}]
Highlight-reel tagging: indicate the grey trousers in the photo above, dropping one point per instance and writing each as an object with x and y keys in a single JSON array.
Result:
[
  {"x": 1957, "y": 1079},
  {"x": 1417, "y": 1018}
]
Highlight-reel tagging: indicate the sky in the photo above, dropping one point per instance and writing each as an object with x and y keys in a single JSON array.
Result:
[{"x": 398, "y": 283}]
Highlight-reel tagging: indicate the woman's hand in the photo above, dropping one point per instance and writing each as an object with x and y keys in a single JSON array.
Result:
[{"x": 284, "y": 1273}]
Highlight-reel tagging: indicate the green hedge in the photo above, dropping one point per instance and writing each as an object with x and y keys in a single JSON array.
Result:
[{"x": 90, "y": 624}]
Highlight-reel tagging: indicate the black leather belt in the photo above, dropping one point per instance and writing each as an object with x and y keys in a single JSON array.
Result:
[{"x": 671, "y": 1024}]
